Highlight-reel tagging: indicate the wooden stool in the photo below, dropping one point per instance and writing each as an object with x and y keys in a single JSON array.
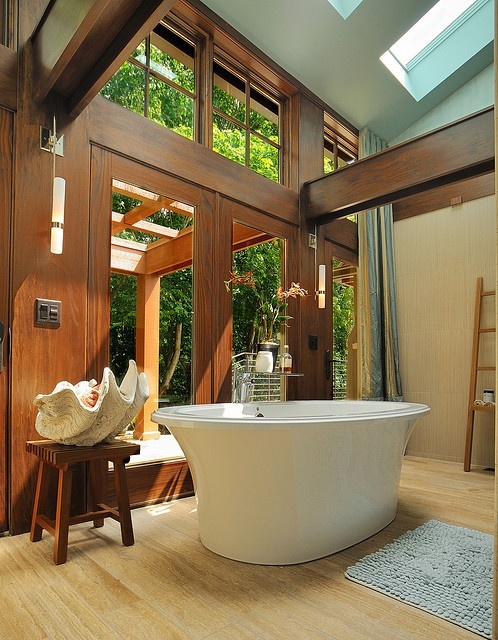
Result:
[{"x": 64, "y": 458}]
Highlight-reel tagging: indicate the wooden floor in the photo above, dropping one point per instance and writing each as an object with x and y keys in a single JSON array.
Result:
[{"x": 168, "y": 586}]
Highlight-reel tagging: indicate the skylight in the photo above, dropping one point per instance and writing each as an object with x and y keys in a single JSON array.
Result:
[
  {"x": 345, "y": 7},
  {"x": 444, "y": 39}
]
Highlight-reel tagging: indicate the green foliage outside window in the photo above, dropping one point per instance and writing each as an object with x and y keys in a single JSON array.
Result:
[
  {"x": 265, "y": 262},
  {"x": 127, "y": 88},
  {"x": 343, "y": 317},
  {"x": 140, "y": 85},
  {"x": 175, "y": 312}
]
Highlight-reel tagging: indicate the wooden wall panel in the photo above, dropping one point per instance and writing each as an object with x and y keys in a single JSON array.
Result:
[
  {"x": 6, "y": 141},
  {"x": 208, "y": 317},
  {"x": 221, "y": 304},
  {"x": 8, "y": 78},
  {"x": 138, "y": 173},
  {"x": 42, "y": 357},
  {"x": 158, "y": 147},
  {"x": 99, "y": 266},
  {"x": 316, "y": 322}
]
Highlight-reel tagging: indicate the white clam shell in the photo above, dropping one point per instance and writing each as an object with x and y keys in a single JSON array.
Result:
[{"x": 64, "y": 418}]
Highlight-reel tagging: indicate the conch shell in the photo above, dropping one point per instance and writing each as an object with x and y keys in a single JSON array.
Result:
[{"x": 86, "y": 413}]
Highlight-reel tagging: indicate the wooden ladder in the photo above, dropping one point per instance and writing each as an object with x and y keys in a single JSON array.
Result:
[{"x": 475, "y": 368}]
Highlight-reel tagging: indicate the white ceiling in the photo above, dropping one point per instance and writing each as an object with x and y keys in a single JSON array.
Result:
[{"x": 338, "y": 59}]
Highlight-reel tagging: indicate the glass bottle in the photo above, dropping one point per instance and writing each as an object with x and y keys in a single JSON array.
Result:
[{"x": 286, "y": 360}]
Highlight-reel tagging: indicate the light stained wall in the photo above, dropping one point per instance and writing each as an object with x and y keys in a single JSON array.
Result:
[
  {"x": 475, "y": 95},
  {"x": 438, "y": 258}
]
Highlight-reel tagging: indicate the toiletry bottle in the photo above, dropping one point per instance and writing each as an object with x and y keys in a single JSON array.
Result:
[
  {"x": 264, "y": 362},
  {"x": 286, "y": 360},
  {"x": 488, "y": 395}
]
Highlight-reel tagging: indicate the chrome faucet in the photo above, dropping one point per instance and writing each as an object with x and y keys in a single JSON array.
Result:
[{"x": 243, "y": 387}]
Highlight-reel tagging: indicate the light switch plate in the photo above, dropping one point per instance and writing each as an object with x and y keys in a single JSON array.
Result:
[{"x": 48, "y": 313}]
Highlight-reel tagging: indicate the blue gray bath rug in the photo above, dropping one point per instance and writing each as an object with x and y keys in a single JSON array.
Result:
[{"x": 440, "y": 568}]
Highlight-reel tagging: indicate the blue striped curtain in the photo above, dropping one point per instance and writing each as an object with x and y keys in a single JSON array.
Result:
[{"x": 377, "y": 304}]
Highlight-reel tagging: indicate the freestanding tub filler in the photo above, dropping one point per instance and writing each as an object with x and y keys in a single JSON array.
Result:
[{"x": 289, "y": 482}]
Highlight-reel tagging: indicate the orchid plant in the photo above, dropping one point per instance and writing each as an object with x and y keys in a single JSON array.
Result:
[{"x": 271, "y": 311}]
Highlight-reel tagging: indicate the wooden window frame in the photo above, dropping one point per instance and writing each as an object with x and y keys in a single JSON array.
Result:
[{"x": 251, "y": 82}]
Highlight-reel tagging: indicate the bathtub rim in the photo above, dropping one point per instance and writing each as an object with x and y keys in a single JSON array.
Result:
[{"x": 190, "y": 416}]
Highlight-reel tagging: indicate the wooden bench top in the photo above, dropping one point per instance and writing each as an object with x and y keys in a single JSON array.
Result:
[{"x": 61, "y": 454}]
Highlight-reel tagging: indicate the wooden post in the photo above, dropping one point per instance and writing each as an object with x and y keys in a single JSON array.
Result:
[{"x": 147, "y": 351}]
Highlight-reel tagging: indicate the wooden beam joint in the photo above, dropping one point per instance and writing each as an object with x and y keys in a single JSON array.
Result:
[{"x": 459, "y": 151}]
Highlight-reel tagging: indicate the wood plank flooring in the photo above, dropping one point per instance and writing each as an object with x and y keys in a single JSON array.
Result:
[{"x": 168, "y": 586}]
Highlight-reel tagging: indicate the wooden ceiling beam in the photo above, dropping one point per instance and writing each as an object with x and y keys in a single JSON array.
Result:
[
  {"x": 127, "y": 257},
  {"x": 78, "y": 46},
  {"x": 165, "y": 256},
  {"x": 458, "y": 151},
  {"x": 171, "y": 254},
  {"x": 244, "y": 237},
  {"x": 451, "y": 195},
  {"x": 155, "y": 200},
  {"x": 119, "y": 223}
]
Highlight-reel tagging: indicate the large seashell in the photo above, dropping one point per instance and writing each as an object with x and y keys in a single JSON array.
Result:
[{"x": 67, "y": 416}]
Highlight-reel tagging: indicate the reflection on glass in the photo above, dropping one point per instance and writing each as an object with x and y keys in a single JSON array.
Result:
[
  {"x": 171, "y": 108},
  {"x": 229, "y": 93},
  {"x": 229, "y": 139},
  {"x": 158, "y": 81},
  {"x": 263, "y": 157},
  {"x": 246, "y": 122},
  {"x": 172, "y": 57},
  {"x": 132, "y": 77},
  {"x": 264, "y": 116}
]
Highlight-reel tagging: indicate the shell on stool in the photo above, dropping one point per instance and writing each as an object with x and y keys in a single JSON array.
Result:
[{"x": 64, "y": 417}]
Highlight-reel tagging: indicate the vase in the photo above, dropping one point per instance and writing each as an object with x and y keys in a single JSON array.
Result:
[{"x": 272, "y": 347}]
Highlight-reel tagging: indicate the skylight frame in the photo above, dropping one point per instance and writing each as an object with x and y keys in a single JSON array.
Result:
[
  {"x": 455, "y": 45},
  {"x": 345, "y": 7}
]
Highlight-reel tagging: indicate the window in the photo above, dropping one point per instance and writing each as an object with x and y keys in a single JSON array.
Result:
[
  {"x": 443, "y": 40},
  {"x": 245, "y": 121},
  {"x": 158, "y": 81},
  {"x": 338, "y": 150}
]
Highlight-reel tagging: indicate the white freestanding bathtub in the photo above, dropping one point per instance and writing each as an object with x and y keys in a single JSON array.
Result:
[{"x": 289, "y": 482}]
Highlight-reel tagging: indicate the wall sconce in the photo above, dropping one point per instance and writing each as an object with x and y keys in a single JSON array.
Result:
[
  {"x": 49, "y": 142},
  {"x": 320, "y": 293},
  {"x": 322, "y": 271}
]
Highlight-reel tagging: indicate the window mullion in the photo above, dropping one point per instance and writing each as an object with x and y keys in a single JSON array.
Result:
[
  {"x": 147, "y": 76},
  {"x": 248, "y": 120}
]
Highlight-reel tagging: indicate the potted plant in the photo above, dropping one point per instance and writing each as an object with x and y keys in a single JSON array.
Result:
[{"x": 270, "y": 311}]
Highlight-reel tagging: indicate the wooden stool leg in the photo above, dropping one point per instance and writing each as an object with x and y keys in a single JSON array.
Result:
[
  {"x": 123, "y": 503},
  {"x": 97, "y": 483},
  {"x": 468, "y": 442},
  {"x": 40, "y": 502},
  {"x": 62, "y": 515}
]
